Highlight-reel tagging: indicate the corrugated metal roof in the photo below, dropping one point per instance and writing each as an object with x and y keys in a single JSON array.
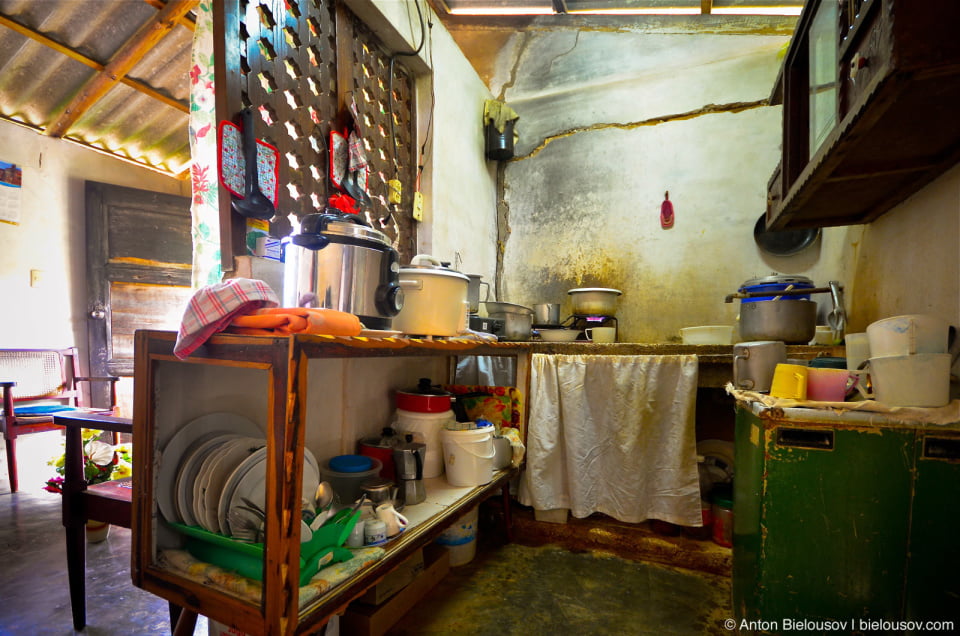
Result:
[{"x": 146, "y": 122}]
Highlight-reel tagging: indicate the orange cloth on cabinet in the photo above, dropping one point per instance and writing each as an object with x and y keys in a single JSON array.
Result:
[{"x": 289, "y": 320}]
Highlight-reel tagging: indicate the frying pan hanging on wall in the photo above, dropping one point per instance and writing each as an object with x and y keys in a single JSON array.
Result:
[{"x": 783, "y": 242}]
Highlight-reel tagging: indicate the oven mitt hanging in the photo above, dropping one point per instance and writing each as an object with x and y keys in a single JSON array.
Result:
[{"x": 232, "y": 167}]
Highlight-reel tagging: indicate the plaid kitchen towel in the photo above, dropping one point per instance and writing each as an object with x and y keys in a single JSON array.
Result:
[{"x": 213, "y": 307}]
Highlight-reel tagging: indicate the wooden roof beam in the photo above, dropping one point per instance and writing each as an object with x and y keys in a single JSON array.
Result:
[
  {"x": 184, "y": 21},
  {"x": 73, "y": 54},
  {"x": 122, "y": 62}
]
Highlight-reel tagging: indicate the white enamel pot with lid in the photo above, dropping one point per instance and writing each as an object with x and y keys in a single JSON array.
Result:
[{"x": 435, "y": 299}]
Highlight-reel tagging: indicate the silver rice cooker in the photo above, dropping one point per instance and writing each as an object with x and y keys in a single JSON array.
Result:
[{"x": 339, "y": 262}]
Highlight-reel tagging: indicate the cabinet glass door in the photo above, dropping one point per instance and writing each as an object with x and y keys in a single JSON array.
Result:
[{"x": 822, "y": 49}]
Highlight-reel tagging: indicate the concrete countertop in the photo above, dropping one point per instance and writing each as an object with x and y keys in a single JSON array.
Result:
[{"x": 715, "y": 360}]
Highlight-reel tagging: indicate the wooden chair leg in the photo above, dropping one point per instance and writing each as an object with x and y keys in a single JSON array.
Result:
[
  {"x": 175, "y": 611},
  {"x": 77, "y": 573},
  {"x": 507, "y": 519},
  {"x": 186, "y": 624},
  {"x": 12, "y": 464}
]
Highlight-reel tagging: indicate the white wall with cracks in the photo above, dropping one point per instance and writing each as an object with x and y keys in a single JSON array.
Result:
[{"x": 609, "y": 121}]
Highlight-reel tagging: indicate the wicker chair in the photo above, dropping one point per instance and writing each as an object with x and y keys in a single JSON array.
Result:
[{"x": 37, "y": 383}]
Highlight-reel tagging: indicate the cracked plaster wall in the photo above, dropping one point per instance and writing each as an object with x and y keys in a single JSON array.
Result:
[{"x": 609, "y": 121}]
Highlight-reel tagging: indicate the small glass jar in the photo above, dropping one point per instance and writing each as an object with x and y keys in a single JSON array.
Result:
[{"x": 722, "y": 510}]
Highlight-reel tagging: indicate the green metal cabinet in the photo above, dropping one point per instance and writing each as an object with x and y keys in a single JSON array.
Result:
[{"x": 843, "y": 518}]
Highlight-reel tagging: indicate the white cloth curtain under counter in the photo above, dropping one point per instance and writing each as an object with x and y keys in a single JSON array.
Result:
[{"x": 615, "y": 435}]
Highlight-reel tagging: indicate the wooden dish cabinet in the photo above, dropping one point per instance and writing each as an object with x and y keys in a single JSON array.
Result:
[{"x": 279, "y": 383}]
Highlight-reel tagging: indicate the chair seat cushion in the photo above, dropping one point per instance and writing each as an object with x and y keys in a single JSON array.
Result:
[{"x": 41, "y": 410}]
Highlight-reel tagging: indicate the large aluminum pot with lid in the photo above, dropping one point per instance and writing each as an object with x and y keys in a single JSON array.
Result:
[
  {"x": 594, "y": 301},
  {"x": 337, "y": 261},
  {"x": 790, "y": 318},
  {"x": 435, "y": 298}
]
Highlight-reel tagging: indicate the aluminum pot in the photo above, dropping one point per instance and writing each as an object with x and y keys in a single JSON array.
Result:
[
  {"x": 594, "y": 301},
  {"x": 517, "y": 320},
  {"x": 435, "y": 299},
  {"x": 790, "y": 321},
  {"x": 338, "y": 262}
]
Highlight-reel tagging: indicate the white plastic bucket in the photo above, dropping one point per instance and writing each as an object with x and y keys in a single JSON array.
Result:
[
  {"x": 468, "y": 456},
  {"x": 461, "y": 539},
  {"x": 425, "y": 428}
]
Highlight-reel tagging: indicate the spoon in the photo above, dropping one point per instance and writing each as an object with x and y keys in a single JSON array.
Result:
[
  {"x": 324, "y": 499},
  {"x": 254, "y": 204}
]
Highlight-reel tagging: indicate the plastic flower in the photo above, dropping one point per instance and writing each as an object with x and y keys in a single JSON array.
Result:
[{"x": 101, "y": 462}]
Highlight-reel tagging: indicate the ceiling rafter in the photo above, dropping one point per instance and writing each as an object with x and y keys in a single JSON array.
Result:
[
  {"x": 184, "y": 21},
  {"x": 73, "y": 54},
  {"x": 121, "y": 63}
]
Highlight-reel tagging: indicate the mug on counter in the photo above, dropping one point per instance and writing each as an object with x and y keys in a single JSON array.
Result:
[
  {"x": 857, "y": 347},
  {"x": 830, "y": 385},
  {"x": 754, "y": 362},
  {"x": 393, "y": 520},
  {"x": 601, "y": 334},
  {"x": 789, "y": 382}
]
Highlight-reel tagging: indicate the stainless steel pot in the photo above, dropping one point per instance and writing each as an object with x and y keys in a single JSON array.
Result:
[
  {"x": 517, "y": 320},
  {"x": 546, "y": 314},
  {"x": 594, "y": 301},
  {"x": 338, "y": 262},
  {"x": 791, "y": 321}
]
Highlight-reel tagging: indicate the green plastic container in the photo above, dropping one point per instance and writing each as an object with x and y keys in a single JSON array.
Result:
[{"x": 246, "y": 559}]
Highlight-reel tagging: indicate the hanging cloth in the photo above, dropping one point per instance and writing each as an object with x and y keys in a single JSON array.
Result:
[{"x": 613, "y": 434}]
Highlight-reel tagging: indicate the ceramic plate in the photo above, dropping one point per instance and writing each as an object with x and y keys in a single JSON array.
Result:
[
  {"x": 252, "y": 485},
  {"x": 223, "y": 506},
  {"x": 187, "y": 477},
  {"x": 203, "y": 478},
  {"x": 189, "y": 436},
  {"x": 232, "y": 456}
]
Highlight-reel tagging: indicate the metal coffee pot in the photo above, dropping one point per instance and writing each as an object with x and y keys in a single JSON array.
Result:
[{"x": 408, "y": 459}]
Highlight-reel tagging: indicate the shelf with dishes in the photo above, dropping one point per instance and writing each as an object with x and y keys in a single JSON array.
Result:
[{"x": 234, "y": 438}]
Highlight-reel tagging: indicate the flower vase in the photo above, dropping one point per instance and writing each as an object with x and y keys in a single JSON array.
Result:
[{"x": 97, "y": 531}]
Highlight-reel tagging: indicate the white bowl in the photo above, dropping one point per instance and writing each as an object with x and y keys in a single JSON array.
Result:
[
  {"x": 707, "y": 335},
  {"x": 558, "y": 335}
]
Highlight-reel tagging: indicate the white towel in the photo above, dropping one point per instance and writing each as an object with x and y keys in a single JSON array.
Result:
[{"x": 613, "y": 434}]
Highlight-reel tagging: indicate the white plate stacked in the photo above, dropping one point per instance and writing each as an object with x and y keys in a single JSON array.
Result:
[{"x": 214, "y": 463}]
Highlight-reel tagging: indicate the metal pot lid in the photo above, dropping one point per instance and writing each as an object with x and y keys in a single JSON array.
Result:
[
  {"x": 783, "y": 242},
  {"x": 424, "y": 388},
  {"x": 339, "y": 224},
  {"x": 506, "y": 308},
  {"x": 778, "y": 279},
  {"x": 432, "y": 270},
  {"x": 595, "y": 289}
]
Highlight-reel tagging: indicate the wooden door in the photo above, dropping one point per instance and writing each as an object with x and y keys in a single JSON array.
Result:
[{"x": 139, "y": 256}]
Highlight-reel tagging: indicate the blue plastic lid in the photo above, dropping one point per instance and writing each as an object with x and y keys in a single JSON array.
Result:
[
  {"x": 481, "y": 423},
  {"x": 351, "y": 463}
]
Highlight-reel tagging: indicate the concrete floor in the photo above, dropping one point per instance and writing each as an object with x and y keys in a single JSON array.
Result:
[{"x": 527, "y": 587}]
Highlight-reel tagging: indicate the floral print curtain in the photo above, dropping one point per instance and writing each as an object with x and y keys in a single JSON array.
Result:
[{"x": 203, "y": 150}]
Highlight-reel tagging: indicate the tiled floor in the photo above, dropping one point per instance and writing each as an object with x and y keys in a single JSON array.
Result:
[{"x": 507, "y": 589}]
